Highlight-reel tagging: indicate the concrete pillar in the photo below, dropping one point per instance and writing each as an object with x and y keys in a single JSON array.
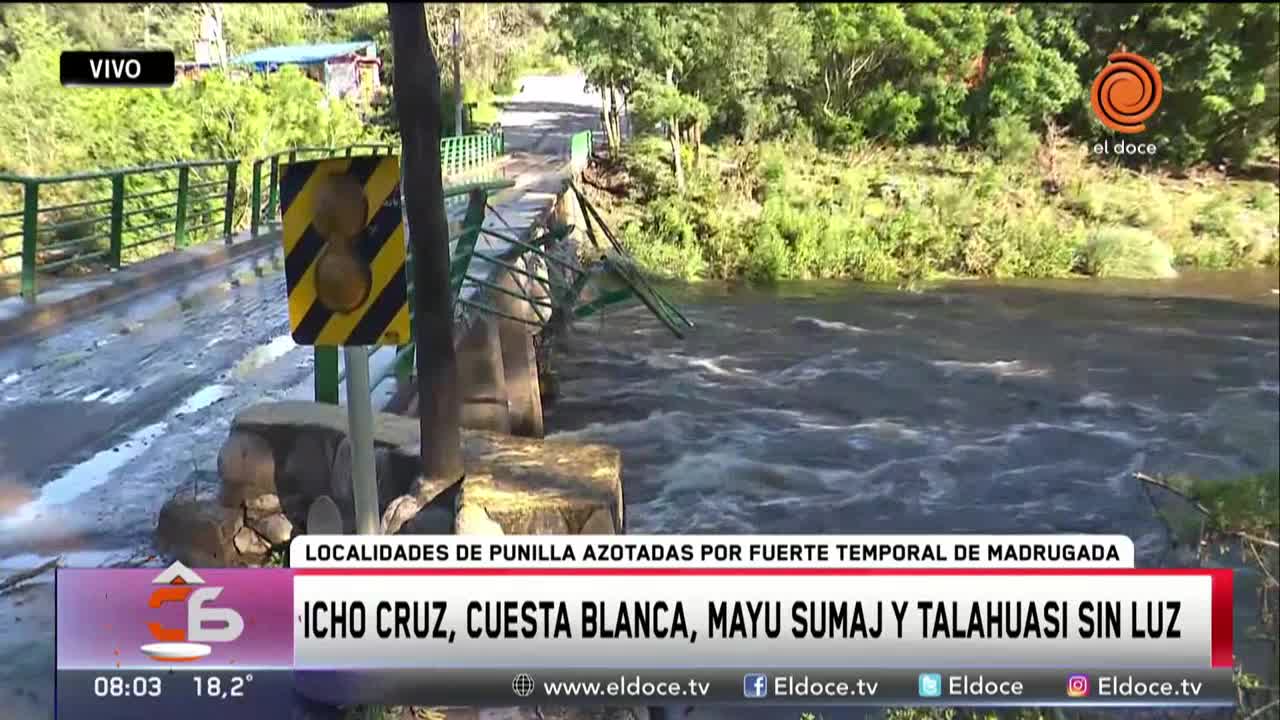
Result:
[
  {"x": 482, "y": 378},
  {"x": 519, "y": 360}
]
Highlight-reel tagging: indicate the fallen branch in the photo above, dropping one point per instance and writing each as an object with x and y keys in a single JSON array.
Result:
[
  {"x": 1262, "y": 710},
  {"x": 1166, "y": 486},
  {"x": 1258, "y": 540},
  {"x": 25, "y": 575},
  {"x": 618, "y": 192}
]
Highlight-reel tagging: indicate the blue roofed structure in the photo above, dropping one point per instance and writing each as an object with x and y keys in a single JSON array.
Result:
[
  {"x": 305, "y": 54},
  {"x": 347, "y": 70}
]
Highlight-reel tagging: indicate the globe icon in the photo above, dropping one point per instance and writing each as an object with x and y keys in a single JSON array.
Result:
[{"x": 522, "y": 685}]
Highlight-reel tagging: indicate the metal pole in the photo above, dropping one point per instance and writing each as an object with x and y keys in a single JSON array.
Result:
[
  {"x": 364, "y": 471},
  {"x": 457, "y": 73}
]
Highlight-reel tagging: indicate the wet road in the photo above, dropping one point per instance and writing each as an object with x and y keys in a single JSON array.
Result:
[{"x": 105, "y": 419}]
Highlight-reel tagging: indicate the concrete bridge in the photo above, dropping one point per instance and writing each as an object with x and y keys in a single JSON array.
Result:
[{"x": 122, "y": 391}]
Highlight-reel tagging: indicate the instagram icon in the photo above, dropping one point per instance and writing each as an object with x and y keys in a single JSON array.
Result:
[{"x": 1078, "y": 686}]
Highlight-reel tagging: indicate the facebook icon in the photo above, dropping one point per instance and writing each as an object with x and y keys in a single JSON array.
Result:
[{"x": 755, "y": 685}]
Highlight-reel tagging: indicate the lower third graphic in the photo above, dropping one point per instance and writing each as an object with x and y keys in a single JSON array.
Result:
[{"x": 755, "y": 685}]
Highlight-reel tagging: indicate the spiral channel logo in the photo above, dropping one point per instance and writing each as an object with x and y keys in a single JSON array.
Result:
[{"x": 1127, "y": 92}]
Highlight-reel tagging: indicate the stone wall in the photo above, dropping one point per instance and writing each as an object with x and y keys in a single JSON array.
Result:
[{"x": 280, "y": 457}]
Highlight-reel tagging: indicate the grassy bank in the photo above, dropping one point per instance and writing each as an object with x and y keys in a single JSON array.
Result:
[{"x": 774, "y": 211}]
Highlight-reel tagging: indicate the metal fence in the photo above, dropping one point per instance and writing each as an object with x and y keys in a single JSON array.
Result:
[
  {"x": 580, "y": 150},
  {"x": 129, "y": 209},
  {"x": 113, "y": 217}
]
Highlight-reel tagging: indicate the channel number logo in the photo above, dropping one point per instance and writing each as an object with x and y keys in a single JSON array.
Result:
[{"x": 179, "y": 584}]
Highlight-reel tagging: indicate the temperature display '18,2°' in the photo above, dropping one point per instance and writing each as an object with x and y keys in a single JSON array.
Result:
[{"x": 214, "y": 686}]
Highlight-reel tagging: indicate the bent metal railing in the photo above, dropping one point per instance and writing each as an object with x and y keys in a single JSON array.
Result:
[
  {"x": 111, "y": 218},
  {"x": 547, "y": 275}
]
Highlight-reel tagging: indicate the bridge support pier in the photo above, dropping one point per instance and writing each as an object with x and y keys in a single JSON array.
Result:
[
  {"x": 520, "y": 361},
  {"x": 482, "y": 378}
]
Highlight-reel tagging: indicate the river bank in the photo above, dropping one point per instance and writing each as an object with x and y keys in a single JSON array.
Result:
[{"x": 777, "y": 211}]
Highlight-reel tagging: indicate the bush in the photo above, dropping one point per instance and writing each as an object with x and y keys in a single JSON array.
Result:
[
  {"x": 1011, "y": 139},
  {"x": 1116, "y": 251}
]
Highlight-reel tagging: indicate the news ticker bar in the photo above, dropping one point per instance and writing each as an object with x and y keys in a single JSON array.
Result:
[{"x": 198, "y": 694}]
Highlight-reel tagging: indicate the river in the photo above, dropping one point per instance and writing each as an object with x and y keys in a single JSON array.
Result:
[{"x": 831, "y": 407}]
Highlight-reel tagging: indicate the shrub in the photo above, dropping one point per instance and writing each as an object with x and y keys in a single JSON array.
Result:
[
  {"x": 1012, "y": 140},
  {"x": 1117, "y": 251},
  {"x": 663, "y": 258}
]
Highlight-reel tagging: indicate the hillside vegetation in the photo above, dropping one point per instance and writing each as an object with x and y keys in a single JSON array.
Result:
[
  {"x": 894, "y": 142},
  {"x": 48, "y": 130},
  {"x": 789, "y": 210}
]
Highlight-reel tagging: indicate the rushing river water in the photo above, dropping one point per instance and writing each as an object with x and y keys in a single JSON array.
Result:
[{"x": 967, "y": 407}]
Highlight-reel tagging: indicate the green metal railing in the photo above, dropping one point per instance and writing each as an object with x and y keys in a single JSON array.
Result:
[
  {"x": 115, "y": 217},
  {"x": 580, "y": 150},
  {"x": 457, "y": 155},
  {"x": 129, "y": 209}
]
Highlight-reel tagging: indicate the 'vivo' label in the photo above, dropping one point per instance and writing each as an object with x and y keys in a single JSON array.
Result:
[{"x": 110, "y": 68}]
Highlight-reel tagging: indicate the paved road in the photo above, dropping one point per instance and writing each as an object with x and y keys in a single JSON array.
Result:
[{"x": 104, "y": 420}]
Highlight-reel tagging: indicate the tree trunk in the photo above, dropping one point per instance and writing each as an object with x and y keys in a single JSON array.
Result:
[
  {"x": 615, "y": 131},
  {"x": 604, "y": 113},
  {"x": 673, "y": 132},
  {"x": 697, "y": 143},
  {"x": 417, "y": 101},
  {"x": 626, "y": 111}
]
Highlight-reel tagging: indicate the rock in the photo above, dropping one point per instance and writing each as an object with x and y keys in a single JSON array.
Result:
[
  {"x": 247, "y": 467},
  {"x": 432, "y": 520},
  {"x": 276, "y": 529},
  {"x": 532, "y": 487},
  {"x": 250, "y": 544},
  {"x": 399, "y": 511},
  {"x": 340, "y": 477},
  {"x": 600, "y": 523},
  {"x": 295, "y": 508},
  {"x": 473, "y": 520},
  {"x": 525, "y": 485},
  {"x": 199, "y": 532},
  {"x": 306, "y": 471},
  {"x": 262, "y": 506},
  {"x": 323, "y": 517}
]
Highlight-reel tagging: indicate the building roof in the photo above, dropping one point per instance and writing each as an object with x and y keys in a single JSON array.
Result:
[{"x": 301, "y": 54}]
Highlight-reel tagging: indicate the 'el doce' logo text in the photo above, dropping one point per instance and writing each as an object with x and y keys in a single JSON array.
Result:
[
  {"x": 178, "y": 584},
  {"x": 1127, "y": 92}
]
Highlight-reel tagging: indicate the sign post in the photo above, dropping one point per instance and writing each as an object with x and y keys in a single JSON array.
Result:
[
  {"x": 364, "y": 472},
  {"x": 345, "y": 254}
]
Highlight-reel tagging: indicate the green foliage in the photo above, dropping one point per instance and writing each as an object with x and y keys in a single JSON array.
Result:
[
  {"x": 1250, "y": 504},
  {"x": 779, "y": 211},
  {"x": 1114, "y": 251},
  {"x": 961, "y": 73},
  {"x": 1012, "y": 140}
]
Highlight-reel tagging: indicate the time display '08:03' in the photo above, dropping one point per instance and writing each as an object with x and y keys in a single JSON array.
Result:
[{"x": 116, "y": 686}]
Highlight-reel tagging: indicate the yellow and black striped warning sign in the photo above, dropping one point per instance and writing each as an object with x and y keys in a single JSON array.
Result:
[{"x": 344, "y": 252}]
